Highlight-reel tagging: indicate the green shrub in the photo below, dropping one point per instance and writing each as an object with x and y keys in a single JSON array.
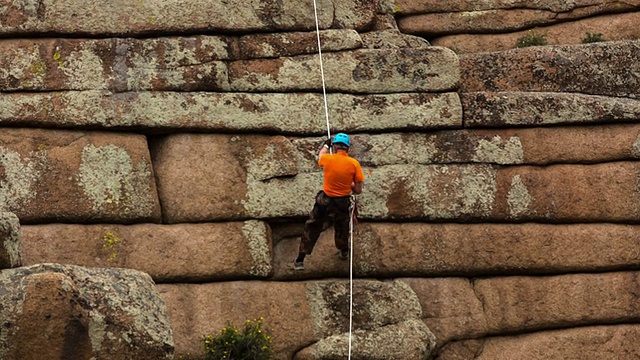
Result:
[
  {"x": 591, "y": 38},
  {"x": 252, "y": 343},
  {"x": 531, "y": 39}
]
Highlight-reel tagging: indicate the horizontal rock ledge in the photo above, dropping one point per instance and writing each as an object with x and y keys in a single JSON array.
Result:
[
  {"x": 520, "y": 304},
  {"x": 404, "y": 7},
  {"x": 535, "y": 146},
  {"x": 288, "y": 113},
  {"x": 202, "y": 63},
  {"x": 591, "y": 342},
  {"x": 267, "y": 182},
  {"x": 501, "y": 20},
  {"x": 614, "y": 27},
  {"x": 430, "y": 250},
  {"x": 315, "y": 309},
  {"x": 144, "y": 17},
  {"x": 500, "y": 109},
  {"x": 72, "y": 176},
  {"x": 184, "y": 252},
  {"x": 607, "y": 68}
]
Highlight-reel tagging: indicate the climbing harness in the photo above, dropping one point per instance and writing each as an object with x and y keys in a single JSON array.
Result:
[{"x": 353, "y": 205}]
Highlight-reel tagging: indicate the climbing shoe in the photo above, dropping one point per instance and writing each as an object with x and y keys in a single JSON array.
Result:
[
  {"x": 298, "y": 265},
  {"x": 343, "y": 254}
]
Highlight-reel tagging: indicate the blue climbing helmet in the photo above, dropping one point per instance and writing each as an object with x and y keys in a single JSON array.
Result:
[{"x": 341, "y": 138}]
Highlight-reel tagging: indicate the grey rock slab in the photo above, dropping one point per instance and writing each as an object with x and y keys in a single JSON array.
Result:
[
  {"x": 431, "y": 69},
  {"x": 148, "y": 16},
  {"x": 58, "y": 311},
  {"x": 10, "y": 241},
  {"x": 501, "y": 109},
  {"x": 608, "y": 68},
  {"x": 276, "y": 45},
  {"x": 71, "y": 176},
  {"x": 182, "y": 252},
  {"x": 411, "y": 339},
  {"x": 288, "y": 113}
]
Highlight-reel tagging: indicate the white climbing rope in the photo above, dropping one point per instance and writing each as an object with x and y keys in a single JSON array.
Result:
[
  {"x": 324, "y": 87},
  {"x": 352, "y": 208}
]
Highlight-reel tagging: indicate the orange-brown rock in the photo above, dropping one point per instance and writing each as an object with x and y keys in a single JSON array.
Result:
[
  {"x": 404, "y": 7},
  {"x": 53, "y": 311},
  {"x": 299, "y": 313},
  {"x": 612, "y": 27},
  {"x": 288, "y": 113},
  {"x": 502, "y": 20},
  {"x": 456, "y": 308},
  {"x": 418, "y": 249},
  {"x": 145, "y": 17},
  {"x": 9, "y": 241},
  {"x": 617, "y": 342},
  {"x": 184, "y": 252},
  {"x": 608, "y": 68},
  {"x": 69, "y": 176}
]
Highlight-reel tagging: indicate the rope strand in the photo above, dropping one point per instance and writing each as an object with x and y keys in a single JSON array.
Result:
[
  {"x": 324, "y": 87},
  {"x": 326, "y": 114}
]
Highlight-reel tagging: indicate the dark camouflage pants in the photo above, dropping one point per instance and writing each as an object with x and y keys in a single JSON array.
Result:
[{"x": 327, "y": 208}]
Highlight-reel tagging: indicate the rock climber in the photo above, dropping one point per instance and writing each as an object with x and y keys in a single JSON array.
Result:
[{"x": 342, "y": 177}]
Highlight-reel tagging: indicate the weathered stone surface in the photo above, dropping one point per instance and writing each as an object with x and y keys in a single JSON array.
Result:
[
  {"x": 182, "y": 64},
  {"x": 450, "y": 308},
  {"x": 185, "y": 252},
  {"x": 456, "y": 308},
  {"x": 542, "y": 108},
  {"x": 300, "y": 313},
  {"x": 608, "y": 68},
  {"x": 521, "y": 304},
  {"x": 612, "y": 27},
  {"x": 466, "y": 249},
  {"x": 296, "y": 43},
  {"x": 474, "y": 22},
  {"x": 408, "y": 340},
  {"x": 404, "y": 7},
  {"x": 392, "y": 39},
  {"x": 196, "y": 63},
  {"x": 67, "y": 176},
  {"x": 143, "y": 17},
  {"x": 10, "y": 241},
  {"x": 539, "y": 146},
  {"x": 193, "y": 189},
  {"x": 568, "y": 193},
  {"x": 617, "y": 342},
  {"x": 431, "y": 69},
  {"x": 496, "y": 20},
  {"x": 57, "y": 311},
  {"x": 299, "y": 113}
]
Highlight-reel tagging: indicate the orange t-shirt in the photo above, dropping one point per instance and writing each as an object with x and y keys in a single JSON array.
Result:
[{"x": 340, "y": 170}]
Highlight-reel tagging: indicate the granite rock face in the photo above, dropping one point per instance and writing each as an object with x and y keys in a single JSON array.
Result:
[
  {"x": 182, "y": 252},
  {"x": 58, "y": 311},
  {"x": 302, "y": 313},
  {"x": 10, "y": 255},
  {"x": 608, "y": 69},
  {"x": 71, "y": 176}
]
